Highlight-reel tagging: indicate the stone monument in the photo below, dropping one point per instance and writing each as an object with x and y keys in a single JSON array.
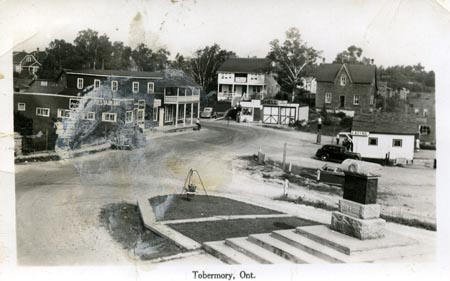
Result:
[{"x": 359, "y": 215}]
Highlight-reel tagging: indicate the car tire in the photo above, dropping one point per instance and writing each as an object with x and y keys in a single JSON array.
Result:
[{"x": 324, "y": 157}]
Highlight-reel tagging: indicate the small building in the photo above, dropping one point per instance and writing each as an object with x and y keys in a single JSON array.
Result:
[
  {"x": 422, "y": 106},
  {"x": 283, "y": 113},
  {"x": 347, "y": 88},
  {"x": 28, "y": 62},
  {"x": 250, "y": 111},
  {"x": 378, "y": 136},
  {"x": 245, "y": 79}
]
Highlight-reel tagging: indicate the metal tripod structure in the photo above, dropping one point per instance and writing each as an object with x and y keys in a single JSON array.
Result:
[{"x": 188, "y": 183}]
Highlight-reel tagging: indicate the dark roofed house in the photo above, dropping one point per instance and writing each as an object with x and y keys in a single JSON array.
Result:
[
  {"x": 348, "y": 88},
  {"x": 245, "y": 79},
  {"x": 30, "y": 62},
  {"x": 384, "y": 135}
]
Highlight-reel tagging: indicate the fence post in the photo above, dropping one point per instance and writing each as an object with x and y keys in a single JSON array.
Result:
[{"x": 284, "y": 155}]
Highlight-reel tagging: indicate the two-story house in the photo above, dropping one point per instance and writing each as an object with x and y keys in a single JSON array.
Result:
[
  {"x": 29, "y": 62},
  {"x": 346, "y": 87},
  {"x": 245, "y": 79},
  {"x": 98, "y": 103}
]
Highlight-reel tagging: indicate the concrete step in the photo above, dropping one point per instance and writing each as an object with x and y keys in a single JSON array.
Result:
[
  {"x": 284, "y": 250},
  {"x": 227, "y": 254},
  {"x": 391, "y": 246},
  {"x": 254, "y": 251},
  {"x": 312, "y": 247}
]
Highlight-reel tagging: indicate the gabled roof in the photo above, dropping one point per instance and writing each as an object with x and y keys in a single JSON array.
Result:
[
  {"x": 359, "y": 73},
  {"x": 124, "y": 73},
  {"x": 19, "y": 56},
  {"x": 385, "y": 123},
  {"x": 245, "y": 65}
]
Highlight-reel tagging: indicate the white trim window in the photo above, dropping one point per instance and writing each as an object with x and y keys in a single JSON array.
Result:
[
  {"x": 21, "y": 106},
  {"x": 397, "y": 143},
  {"x": 96, "y": 84},
  {"x": 109, "y": 117},
  {"x": 88, "y": 116},
  {"x": 114, "y": 86},
  {"x": 129, "y": 116},
  {"x": 44, "y": 83},
  {"x": 328, "y": 98},
  {"x": 41, "y": 111},
  {"x": 373, "y": 141},
  {"x": 74, "y": 103},
  {"x": 63, "y": 113},
  {"x": 372, "y": 99},
  {"x": 80, "y": 83},
  {"x": 155, "y": 113},
  {"x": 141, "y": 104},
  {"x": 425, "y": 112},
  {"x": 135, "y": 87},
  {"x": 355, "y": 100},
  {"x": 343, "y": 80},
  {"x": 140, "y": 115},
  {"x": 150, "y": 88}
]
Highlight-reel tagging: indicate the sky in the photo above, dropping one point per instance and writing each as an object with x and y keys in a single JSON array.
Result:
[{"x": 392, "y": 32}]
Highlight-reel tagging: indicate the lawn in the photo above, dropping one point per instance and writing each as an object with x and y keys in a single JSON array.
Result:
[
  {"x": 177, "y": 207},
  {"x": 223, "y": 229}
]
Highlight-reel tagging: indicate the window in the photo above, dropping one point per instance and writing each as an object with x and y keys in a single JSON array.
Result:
[
  {"x": 21, "y": 106},
  {"x": 96, "y": 84},
  {"x": 155, "y": 114},
  {"x": 129, "y": 116},
  {"x": 63, "y": 113},
  {"x": 372, "y": 99},
  {"x": 80, "y": 83},
  {"x": 141, "y": 104},
  {"x": 42, "y": 111},
  {"x": 140, "y": 115},
  {"x": 343, "y": 80},
  {"x": 257, "y": 89},
  {"x": 135, "y": 87},
  {"x": 44, "y": 83},
  {"x": 416, "y": 111},
  {"x": 425, "y": 112},
  {"x": 109, "y": 117},
  {"x": 88, "y": 116},
  {"x": 74, "y": 103},
  {"x": 397, "y": 143},
  {"x": 373, "y": 141},
  {"x": 114, "y": 86},
  {"x": 425, "y": 130},
  {"x": 328, "y": 98},
  {"x": 168, "y": 114},
  {"x": 356, "y": 100},
  {"x": 150, "y": 87}
]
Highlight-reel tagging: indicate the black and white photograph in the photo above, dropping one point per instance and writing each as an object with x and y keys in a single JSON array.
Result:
[{"x": 224, "y": 140}]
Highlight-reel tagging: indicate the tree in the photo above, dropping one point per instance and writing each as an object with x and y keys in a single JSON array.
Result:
[
  {"x": 291, "y": 58},
  {"x": 141, "y": 56},
  {"x": 94, "y": 50},
  {"x": 60, "y": 55},
  {"x": 352, "y": 56},
  {"x": 205, "y": 63},
  {"x": 120, "y": 56}
]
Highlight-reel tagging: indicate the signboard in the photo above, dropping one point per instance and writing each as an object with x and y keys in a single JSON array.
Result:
[
  {"x": 157, "y": 103},
  {"x": 107, "y": 102},
  {"x": 360, "y": 133}
]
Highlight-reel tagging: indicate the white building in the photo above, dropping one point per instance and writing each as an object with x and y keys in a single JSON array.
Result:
[
  {"x": 245, "y": 79},
  {"x": 381, "y": 136}
]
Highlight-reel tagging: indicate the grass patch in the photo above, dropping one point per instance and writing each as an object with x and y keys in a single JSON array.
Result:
[
  {"x": 306, "y": 202},
  {"x": 223, "y": 229},
  {"x": 410, "y": 222},
  {"x": 124, "y": 223},
  {"x": 176, "y": 207}
]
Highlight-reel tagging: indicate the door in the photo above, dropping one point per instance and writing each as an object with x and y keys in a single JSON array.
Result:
[
  {"x": 257, "y": 114},
  {"x": 342, "y": 101},
  {"x": 270, "y": 115}
]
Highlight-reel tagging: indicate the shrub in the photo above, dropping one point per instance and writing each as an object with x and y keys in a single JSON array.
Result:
[{"x": 346, "y": 122}]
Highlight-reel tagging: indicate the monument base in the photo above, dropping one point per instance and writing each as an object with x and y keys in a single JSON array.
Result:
[{"x": 356, "y": 227}]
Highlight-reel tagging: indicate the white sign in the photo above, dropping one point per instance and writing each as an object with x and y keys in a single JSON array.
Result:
[
  {"x": 156, "y": 103},
  {"x": 360, "y": 133},
  {"x": 107, "y": 102}
]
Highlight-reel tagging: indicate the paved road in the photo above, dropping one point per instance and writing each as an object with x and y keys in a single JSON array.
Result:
[{"x": 58, "y": 202}]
